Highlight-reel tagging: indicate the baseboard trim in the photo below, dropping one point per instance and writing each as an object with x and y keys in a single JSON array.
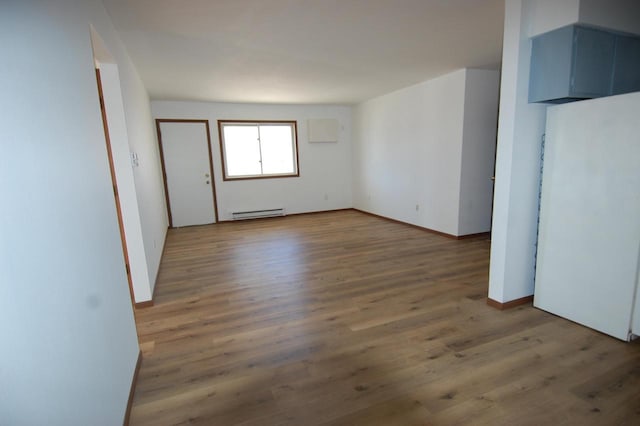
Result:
[
  {"x": 422, "y": 228},
  {"x": 320, "y": 211},
  {"x": 286, "y": 215},
  {"x": 480, "y": 234},
  {"x": 511, "y": 304},
  {"x": 145, "y": 304},
  {"x": 132, "y": 390}
]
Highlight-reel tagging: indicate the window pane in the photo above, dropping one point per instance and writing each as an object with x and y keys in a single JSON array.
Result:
[
  {"x": 242, "y": 150},
  {"x": 258, "y": 149},
  {"x": 277, "y": 149}
]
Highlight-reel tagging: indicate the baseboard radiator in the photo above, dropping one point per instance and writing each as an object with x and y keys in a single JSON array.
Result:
[{"x": 256, "y": 214}]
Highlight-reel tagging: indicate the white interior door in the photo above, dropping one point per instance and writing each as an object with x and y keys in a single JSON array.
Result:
[{"x": 187, "y": 164}]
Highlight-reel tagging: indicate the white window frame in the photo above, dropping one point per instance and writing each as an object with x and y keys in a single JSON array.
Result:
[{"x": 258, "y": 123}]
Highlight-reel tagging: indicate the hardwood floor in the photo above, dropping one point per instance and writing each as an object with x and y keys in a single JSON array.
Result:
[{"x": 342, "y": 318}]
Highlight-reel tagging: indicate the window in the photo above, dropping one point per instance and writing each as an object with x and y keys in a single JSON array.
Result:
[{"x": 258, "y": 149}]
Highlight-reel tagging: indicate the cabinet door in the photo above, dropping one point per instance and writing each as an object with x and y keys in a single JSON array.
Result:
[
  {"x": 551, "y": 56},
  {"x": 626, "y": 69},
  {"x": 592, "y": 63}
]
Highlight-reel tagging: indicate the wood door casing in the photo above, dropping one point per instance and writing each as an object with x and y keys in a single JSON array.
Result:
[{"x": 112, "y": 171}]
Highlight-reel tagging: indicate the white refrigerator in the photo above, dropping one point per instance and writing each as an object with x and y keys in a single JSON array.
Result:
[{"x": 588, "y": 256}]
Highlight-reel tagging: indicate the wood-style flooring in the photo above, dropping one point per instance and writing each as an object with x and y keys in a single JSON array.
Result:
[{"x": 343, "y": 318}]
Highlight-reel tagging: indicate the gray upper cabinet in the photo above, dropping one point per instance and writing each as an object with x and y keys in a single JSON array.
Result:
[
  {"x": 551, "y": 56},
  {"x": 626, "y": 72},
  {"x": 576, "y": 62},
  {"x": 593, "y": 52}
]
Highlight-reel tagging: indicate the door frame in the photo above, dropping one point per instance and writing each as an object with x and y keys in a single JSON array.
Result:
[
  {"x": 159, "y": 121},
  {"x": 116, "y": 196}
]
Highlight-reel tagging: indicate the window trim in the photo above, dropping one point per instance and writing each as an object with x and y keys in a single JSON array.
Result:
[{"x": 292, "y": 123}]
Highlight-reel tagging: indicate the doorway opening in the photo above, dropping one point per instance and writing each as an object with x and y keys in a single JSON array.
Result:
[
  {"x": 122, "y": 172},
  {"x": 123, "y": 239}
]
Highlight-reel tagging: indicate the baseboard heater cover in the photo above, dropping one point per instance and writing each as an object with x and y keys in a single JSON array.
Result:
[{"x": 256, "y": 214}]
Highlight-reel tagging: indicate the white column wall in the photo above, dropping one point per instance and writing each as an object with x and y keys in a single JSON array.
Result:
[
  {"x": 425, "y": 154},
  {"x": 126, "y": 185}
]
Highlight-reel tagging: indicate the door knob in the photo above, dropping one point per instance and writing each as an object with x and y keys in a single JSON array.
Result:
[
  {"x": 207, "y": 182},
  {"x": 206, "y": 175}
]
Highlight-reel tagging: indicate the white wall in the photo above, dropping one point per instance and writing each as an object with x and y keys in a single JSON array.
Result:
[
  {"x": 520, "y": 129},
  {"x": 546, "y": 15},
  {"x": 621, "y": 15},
  {"x": 69, "y": 343},
  {"x": 478, "y": 150},
  {"x": 408, "y": 152},
  {"x": 324, "y": 167}
]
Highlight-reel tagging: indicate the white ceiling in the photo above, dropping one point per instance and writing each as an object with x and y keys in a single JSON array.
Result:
[{"x": 303, "y": 51}]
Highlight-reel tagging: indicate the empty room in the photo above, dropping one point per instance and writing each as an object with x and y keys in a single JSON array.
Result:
[{"x": 320, "y": 212}]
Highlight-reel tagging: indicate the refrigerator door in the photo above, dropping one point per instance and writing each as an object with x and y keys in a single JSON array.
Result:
[{"x": 589, "y": 235}]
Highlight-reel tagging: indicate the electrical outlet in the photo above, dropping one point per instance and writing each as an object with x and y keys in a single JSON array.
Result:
[
  {"x": 417, "y": 207},
  {"x": 326, "y": 197}
]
